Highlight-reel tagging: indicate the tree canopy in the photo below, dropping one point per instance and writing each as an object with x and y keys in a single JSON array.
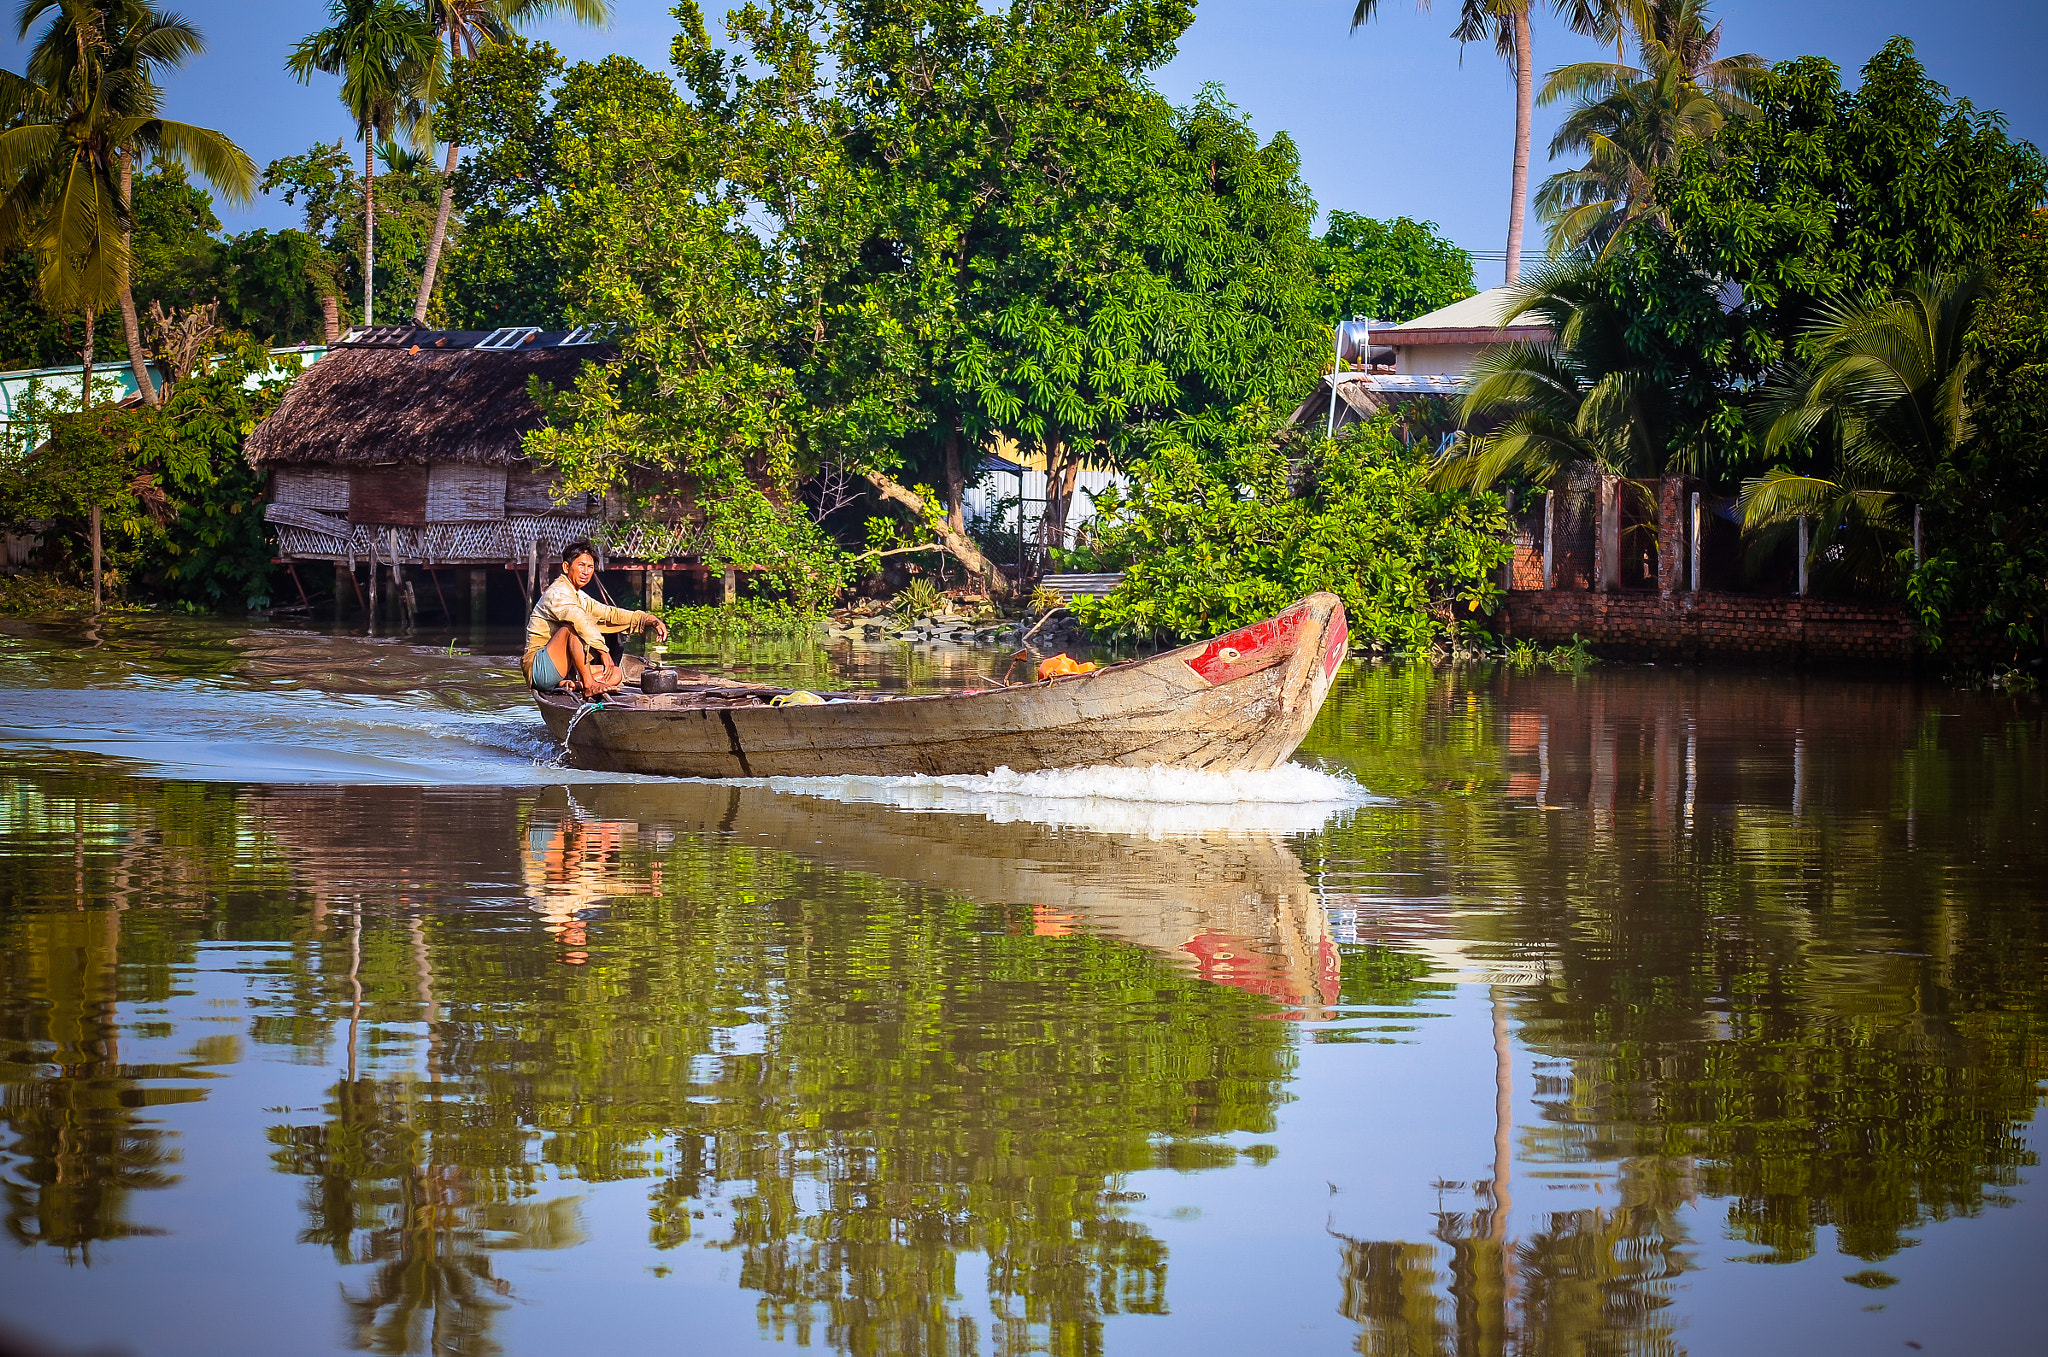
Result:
[{"x": 1389, "y": 270}]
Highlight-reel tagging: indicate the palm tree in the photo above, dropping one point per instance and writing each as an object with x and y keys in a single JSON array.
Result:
[
  {"x": 111, "y": 51},
  {"x": 1886, "y": 392},
  {"x": 384, "y": 51},
  {"x": 1580, "y": 398},
  {"x": 1506, "y": 23},
  {"x": 72, "y": 123},
  {"x": 1631, "y": 121},
  {"x": 469, "y": 26}
]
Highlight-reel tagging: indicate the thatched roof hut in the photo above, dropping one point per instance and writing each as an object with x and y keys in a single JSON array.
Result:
[
  {"x": 393, "y": 395},
  {"x": 404, "y": 445}
]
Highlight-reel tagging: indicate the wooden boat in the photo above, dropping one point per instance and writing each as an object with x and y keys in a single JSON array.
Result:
[{"x": 1242, "y": 701}]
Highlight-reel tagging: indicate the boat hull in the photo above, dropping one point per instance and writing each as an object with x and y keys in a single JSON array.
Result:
[{"x": 1243, "y": 701}]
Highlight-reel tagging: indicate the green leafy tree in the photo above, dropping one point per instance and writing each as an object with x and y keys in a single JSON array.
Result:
[
  {"x": 995, "y": 225},
  {"x": 85, "y": 464},
  {"x": 213, "y": 550},
  {"x": 383, "y": 51},
  {"x": 509, "y": 266},
  {"x": 971, "y": 223},
  {"x": 1221, "y": 529},
  {"x": 184, "y": 507},
  {"x": 31, "y": 334},
  {"x": 175, "y": 247},
  {"x": 1822, "y": 193},
  {"x": 1985, "y": 573},
  {"x": 697, "y": 420},
  {"x": 332, "y": 193},
  {"x": 272, "y": 284},
  {"x": 87, "y": 103},
  {"x": 106, "y": 55},
  {"x": 1389, "y": 270}
]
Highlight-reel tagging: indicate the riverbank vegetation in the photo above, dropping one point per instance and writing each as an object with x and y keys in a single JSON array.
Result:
[
  {"x": 849, "y": 252},
  {"x": 1828, "y": 301},
  {"x": 1222, "y": 527}
]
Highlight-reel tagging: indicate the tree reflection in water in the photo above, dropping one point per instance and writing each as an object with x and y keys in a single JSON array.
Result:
[
  {"x": 846, "y": 1082},
  {"x": 1777, "y": 951},
  {"x": 1785, "y": 938},
  {"x": 82, "y": 1140}
]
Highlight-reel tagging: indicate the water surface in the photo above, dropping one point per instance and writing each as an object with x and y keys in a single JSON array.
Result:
[{"x": 1647, "y": 1010}]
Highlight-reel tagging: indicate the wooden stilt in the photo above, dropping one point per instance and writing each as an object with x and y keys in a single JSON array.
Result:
[
  {"x": 293, "y": 571},
  {"x": 344, "y": 569},
  {"x": 435, "y": 576}
]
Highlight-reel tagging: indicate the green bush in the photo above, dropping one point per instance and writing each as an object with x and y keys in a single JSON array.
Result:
[
  {"x": 744, "y": 619},
  {"x": 182, "y": 510},
  {"x": 1221, "y": 529}
]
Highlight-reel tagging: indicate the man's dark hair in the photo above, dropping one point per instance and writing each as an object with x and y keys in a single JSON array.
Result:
[{"x": 582, "y": 546}]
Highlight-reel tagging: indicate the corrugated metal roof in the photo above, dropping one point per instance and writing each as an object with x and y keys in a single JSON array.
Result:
[{"x": 1484, "y": 311}]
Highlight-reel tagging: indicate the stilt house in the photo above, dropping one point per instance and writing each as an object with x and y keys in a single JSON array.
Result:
[{"x": 400, "y": 452}]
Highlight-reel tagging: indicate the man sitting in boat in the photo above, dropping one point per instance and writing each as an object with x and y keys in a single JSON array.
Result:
[{"x": 565, "y": 635}]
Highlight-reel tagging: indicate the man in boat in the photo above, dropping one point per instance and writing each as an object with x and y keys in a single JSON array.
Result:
[{"x": 565, "y": 635}]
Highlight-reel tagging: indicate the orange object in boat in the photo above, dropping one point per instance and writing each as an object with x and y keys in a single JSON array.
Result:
[{"x": 1053, "y": 666}]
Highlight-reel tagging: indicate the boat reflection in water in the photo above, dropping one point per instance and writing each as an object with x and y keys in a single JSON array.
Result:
[{"x": 1230, "y": 904}]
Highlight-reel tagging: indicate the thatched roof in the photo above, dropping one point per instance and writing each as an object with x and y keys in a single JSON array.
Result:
[{"x": 395, "y": 394}]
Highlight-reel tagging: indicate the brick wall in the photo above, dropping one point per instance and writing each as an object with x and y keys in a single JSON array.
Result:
[{"x": 1712, "y": 626}]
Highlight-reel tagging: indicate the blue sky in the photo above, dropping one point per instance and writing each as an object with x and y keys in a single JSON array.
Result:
[{"x": 1390, "y": 121}]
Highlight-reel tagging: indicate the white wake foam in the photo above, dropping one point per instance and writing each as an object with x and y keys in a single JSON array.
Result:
[{"x": 1151, "y": 802}]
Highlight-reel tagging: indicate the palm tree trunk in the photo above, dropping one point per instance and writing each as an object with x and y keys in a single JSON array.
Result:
[
  {"x": 129, "y": 322},
  {"x": 85, "y": 358},
  {"x": 85, "y": 403},
  {"x": 440, "y": 236},
  {"x": 369, "y": 227},
  {"x": 1525, "y": 115}
]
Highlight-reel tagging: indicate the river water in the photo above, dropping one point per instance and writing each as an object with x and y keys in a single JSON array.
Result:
[{"x": 1646, "y": 1010}]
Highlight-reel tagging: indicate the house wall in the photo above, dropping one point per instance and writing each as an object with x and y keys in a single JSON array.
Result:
[
  {"x": 982, "y": 501},
  {"x": 458, "y": 492},
  {"x": 1449, "y": 360}
]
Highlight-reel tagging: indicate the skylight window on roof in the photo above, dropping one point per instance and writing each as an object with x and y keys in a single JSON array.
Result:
[{"x": 509, "y": 337}]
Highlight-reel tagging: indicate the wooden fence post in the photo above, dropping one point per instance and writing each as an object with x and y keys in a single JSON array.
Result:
[
  {"x": 1550, "y": 539},
  {"x": 1698, "y": 530},
  {"x": 1607, "y": 550}
]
